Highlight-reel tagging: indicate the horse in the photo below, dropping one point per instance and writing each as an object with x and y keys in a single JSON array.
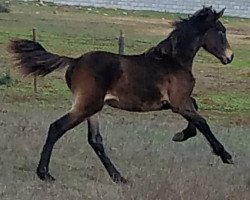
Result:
[{"x": 156, "y": 80}]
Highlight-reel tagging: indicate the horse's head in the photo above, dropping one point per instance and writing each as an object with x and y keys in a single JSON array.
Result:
[
  {"x": 202, "y": 29},
  {"x": 215, "y": 40}
]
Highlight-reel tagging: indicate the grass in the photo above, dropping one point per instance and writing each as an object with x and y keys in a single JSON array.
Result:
[
  {"x": 139, "y": 144},
  {"x": 134, "y": 147},
  {"x": 242, "y": 53}
]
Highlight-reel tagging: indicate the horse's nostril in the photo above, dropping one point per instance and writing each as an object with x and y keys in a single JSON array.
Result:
[
  {"x": 232, "y": 57},
  {"x": 228, "y": 60}
]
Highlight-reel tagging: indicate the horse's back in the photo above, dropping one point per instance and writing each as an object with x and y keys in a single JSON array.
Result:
[{"x": 102, "y": 66}]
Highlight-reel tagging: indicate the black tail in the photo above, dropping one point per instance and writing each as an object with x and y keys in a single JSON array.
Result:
[{"x": 33, "y": 59}]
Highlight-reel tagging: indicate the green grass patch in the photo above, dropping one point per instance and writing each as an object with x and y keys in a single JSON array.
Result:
[
  {"x": 242, "y": 58},
  {"x": 225, "y": 102}
]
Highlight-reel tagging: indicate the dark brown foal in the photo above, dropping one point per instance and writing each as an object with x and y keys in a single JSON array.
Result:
[{"x": 158, "y": 79}]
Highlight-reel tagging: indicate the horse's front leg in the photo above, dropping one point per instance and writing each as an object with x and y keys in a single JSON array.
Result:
[
  {"x": 187, "y": 110},
  {"x": 189, "y": 131}
]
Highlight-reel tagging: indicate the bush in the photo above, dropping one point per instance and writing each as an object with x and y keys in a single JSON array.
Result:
[
  {"x": 4, "y": 9},
  {"x": 5, "y": 79}
]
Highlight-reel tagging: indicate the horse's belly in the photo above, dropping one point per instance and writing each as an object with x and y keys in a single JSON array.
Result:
[{"x": 135, "y": 105}]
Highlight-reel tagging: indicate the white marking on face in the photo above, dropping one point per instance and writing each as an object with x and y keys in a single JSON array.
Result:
[{"x": 228, "y": 53}]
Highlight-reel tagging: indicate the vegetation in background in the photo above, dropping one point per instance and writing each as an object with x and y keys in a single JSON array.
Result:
[
  {"x": 6, "y": 79},
  {"x": 4, "y": 8}
]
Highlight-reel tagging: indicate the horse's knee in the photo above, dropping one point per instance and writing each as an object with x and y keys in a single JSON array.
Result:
[{"x": 199, "y": 122}]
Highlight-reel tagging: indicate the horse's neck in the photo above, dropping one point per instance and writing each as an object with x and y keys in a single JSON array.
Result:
[
  {"x": 185, "y": 60},
  {"x": 185, "y": 55},
  {"x": 184, "y": 50}
]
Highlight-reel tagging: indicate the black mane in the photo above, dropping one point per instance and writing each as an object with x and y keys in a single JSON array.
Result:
[
  {"x": 185, "y": 30},
  {"x": 198, "y": 18}
]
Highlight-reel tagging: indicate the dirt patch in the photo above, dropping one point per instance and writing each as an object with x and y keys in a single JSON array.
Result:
[
  {"x": 239, "y": 31},
  {"x": 246, "y": 38},
  {"x": 147, "y": 26},
  {"x": 143, "y": 20}
]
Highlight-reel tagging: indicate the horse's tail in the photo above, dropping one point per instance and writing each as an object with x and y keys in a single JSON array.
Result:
[{"x": 33, "y": 59}]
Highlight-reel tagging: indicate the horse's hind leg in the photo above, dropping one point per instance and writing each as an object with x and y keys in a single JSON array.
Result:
[
  {"x": 189, "y": 131},
  {"x": 95, "y": 141},
  {"x": 56, "y": 131},
  {"x": 83, "y": 108}
]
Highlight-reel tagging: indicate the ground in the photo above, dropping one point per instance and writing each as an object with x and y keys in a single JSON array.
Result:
[{"x": 139, "y": 144}]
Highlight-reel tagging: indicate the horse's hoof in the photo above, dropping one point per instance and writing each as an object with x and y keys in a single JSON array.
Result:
[
  {"x": 124, "y": 181},
  {"x": 229, "y": 161},
  {"x": 117, "y": 178},
  {"x": 49, "y": 178},
  {"x": 226, "y": 158},
  {"x": 179, "y": 137},
  {"x": 45, "y": 176}
]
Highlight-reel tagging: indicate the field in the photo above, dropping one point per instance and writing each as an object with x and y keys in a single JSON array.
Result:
[{"x": 139, "y": 144}]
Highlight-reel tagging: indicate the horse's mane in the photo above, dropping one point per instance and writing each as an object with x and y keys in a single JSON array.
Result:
[
  {"x": 196, "y": 19},
  {"x": 183, "y": 30}
]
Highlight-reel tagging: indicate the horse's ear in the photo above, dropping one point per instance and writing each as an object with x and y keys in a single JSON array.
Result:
[{"x": 220, "y": 14}]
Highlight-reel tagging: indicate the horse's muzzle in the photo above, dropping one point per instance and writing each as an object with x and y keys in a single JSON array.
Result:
[{"x": 228, "y": 58}]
